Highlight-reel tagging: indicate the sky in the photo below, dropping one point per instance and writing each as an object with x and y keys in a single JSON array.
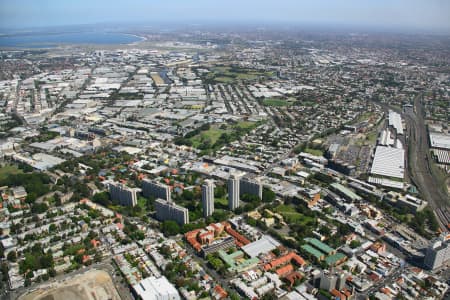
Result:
[{"x": 420, "y": 15}]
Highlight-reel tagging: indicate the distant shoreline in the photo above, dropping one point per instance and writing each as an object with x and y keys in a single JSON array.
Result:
[
  {"x": 104, "y": 38},
  {"x": 143, "y": 38}
]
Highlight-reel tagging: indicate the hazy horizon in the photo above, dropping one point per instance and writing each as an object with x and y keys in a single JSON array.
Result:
[{"x": 386, "y": 15}]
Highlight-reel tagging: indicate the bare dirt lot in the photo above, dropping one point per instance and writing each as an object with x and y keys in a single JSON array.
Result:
[{"x": 92, "y": 285}]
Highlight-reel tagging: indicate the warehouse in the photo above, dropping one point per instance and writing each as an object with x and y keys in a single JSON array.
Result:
[
  {"x": 395, "y": 121},
  {"x": 439, "y": 141},
  {"x": 389, "y": 162},
  {"x": 156, "y": 288}
]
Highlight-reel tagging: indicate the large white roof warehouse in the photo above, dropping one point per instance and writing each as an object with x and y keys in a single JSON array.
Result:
[
  {"x": 389, "y": 162},
  {"x": 439, "y": 140},
  {"x": 395, "y": 120},
  {"x": 153, "y": 288}
]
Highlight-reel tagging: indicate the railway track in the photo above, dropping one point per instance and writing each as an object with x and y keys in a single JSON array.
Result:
[{"x": 443, "y": 214}]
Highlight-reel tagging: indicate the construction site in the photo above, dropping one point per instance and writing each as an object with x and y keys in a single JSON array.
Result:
[{"x": 92, "y": 285}]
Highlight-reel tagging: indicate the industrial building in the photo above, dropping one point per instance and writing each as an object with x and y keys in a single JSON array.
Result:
[
  {"x": 439, "y": 141},
  {"x": 208, "y": 198},
  {"x": 166, "y": 210},
  {"x": 153, "y": 288},
  {"x": 413, "y": 204},
  {"x": 344, "y": 192},
  {"x": 440, "y": 144},
  {"x": 156, "y": 190},
  {"x": 233, "y": 192},
  {"x": 389, "y": 162},
  {"x": 388, "y": 167},
  {"x": 395, "y": 121},
  {"x": 122, "y": 194}
]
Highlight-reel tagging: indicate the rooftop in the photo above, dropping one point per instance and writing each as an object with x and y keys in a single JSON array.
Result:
[
  {"x": 319, "y": 245},
  {"x": 263, "y": 245},
  {"x": 439, "y": 140},
  {"x": 389, "y": 162}
]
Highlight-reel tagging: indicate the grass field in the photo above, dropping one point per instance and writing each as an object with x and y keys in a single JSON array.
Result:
[
  {"x": 364, "y": 116},
  {"x": 224, "y": 74},
  {"x": 214, "y": 133},
  {"x": 221, "y": 203},
  {"x": 275, "y": 102},
  {"x": 372, "y": 137},
  {"x": 291, "y": 215},
  {"x": 246, "y": 124},
  {"x": 223, "y": 79},
  {"x": 8, "y": 170},
  {"x": 314, "y": 151}
]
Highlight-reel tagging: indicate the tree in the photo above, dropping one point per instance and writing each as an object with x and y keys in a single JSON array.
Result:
[
  {"x": 355, "y": 244},
  {"x": 219, "y": 191},
  {"x": 39, "y": 208},
  {"x": 52, "y": 228},
  {"x": 45, "y": 277},
  {"x": 325, "y": 230},
  {"x": 52, "y": 272},
  {"x": 12, "y": 256},
  {"x": 188, "y": 195},
  {"x": 276, "y": 251},
  {"x": 27, "y": 281},
  {"x": 234, "y": 296},
  {"x": 57, "y": 198},
  {"x": 46, "y": 261},
  {"x": 268, "y": 195},
  {"x": 216, "y": 263},
  {"x": 102, "y": 198},
  {"x": 170, "y": 227},
  {"x": 31, "y": 197}
]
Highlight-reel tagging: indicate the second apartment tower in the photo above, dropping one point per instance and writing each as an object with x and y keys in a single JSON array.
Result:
[
  {"x": 155, "y": 189},
  {"x": 208, "y": 197}
]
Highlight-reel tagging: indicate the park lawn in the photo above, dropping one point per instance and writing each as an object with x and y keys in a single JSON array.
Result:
[
  {"x": 212, "y": 134},
  {"x": 224, "y": 79},
  {"x": 7, "y": 171},
  {"x": 364, "y": 116},
  {"x": 307, "y": 103},
  {"x": 291, "y": 215},
  {"x": 221, "y": 202},
  {"x": 246, "y": 124},
  {"x": 221, "y": 69},
  {"x": 275, "y": 102},
  {"x": 247, "y": 76},
  {"x": 314, "y": 151},
  {"x": 226, "y": 74}
]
